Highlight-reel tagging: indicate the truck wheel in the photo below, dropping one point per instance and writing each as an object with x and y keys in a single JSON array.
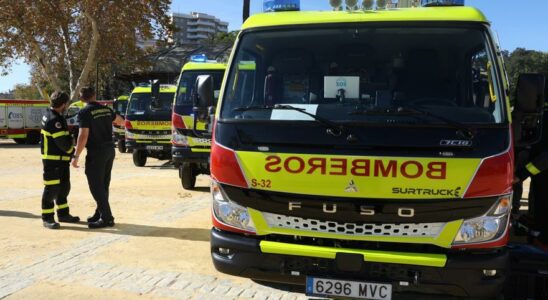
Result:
[
  {"x": 20, "y": 141},
  {"x": 139, "y": 158},
  {"x": 121, "y": 146},
  {"x": 188, "y": 179}
]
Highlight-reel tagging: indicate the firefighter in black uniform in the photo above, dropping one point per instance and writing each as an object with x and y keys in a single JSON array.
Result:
[
  {"x": 95, "y": 134},
  {"x": 57, "y": 146},
  {"x": 537, "y": 169}
]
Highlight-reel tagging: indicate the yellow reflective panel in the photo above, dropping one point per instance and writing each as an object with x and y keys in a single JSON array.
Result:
[{"x": 359, "y": 176}]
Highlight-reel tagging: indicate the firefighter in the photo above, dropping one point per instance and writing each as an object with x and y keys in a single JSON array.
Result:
[
  {"x": 57, "y": 146},
  {"x": 95, "y": 134}
]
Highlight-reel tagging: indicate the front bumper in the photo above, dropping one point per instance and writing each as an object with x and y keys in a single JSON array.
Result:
[
  {"x": 151, "y": 146},
  {"x": 461, "y": 275},
  {"x": 182, "y": 154}
]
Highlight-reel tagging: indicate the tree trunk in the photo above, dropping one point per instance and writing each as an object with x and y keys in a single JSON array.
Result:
[
  {"x": 44, "y": 65},
  {"x": 90, "y": 60},
  {"x": 247, "y": 8}
]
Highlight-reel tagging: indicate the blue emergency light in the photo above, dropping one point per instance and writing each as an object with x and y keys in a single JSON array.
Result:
[
  {"x": 202, "y": 58},
  {"x": 427, "y": 3},
  {"x": 281, "y": 5}
]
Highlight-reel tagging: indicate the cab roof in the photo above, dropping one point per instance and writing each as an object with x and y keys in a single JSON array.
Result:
[
  {"x": 457, "y": 14},
  {"x": 123, "y": 98},
  {"x": 146, "y": 89},
  {"x": 200, "y": 66}
]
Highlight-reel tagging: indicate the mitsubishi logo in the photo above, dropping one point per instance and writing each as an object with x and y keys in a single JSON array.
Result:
[{"x": 351, "y": 188}]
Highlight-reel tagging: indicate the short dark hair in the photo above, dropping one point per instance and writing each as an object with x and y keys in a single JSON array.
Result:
[
  {"x": 86, "y": 93},
  {"x": 59, "y": 98}
]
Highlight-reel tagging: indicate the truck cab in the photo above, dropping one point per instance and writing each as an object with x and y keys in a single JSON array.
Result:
[
  {"x": 368, "y": 154},
  {"x": 148, "y": 123},
  {"x": 119, "y": 132},
  {"x": 192, "y": 141}
]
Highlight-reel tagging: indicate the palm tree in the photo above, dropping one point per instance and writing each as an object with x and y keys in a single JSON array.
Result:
[{"x": 246, "y": 9}]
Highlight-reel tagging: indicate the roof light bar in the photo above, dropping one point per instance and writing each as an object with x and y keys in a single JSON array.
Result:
[
  {"x": 427, "y": 3},
  {"x": 281, "y": 5}
]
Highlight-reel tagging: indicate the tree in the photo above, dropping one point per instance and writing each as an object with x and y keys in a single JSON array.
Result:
[
  {"x": 64, "y": 39},
  {"x": 524, "y": 61},
  {"x": 367, "y": 4},
  {"x": 26, "y": 92},
  {"x": 246, "y": 11},
  {"x": 381, "y": 4}
]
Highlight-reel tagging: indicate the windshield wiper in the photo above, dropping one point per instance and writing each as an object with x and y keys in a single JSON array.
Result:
[
  {"x": 333, "y": 128},
  {"x": 463, "y": 129}
]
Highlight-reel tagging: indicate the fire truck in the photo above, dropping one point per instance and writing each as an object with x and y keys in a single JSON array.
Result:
[
  {"x": 369, "y": 154},
  {"x": 190, "y": 150},
  {"x": 20, "y": 120},
  {"x": 148, "y": 122}
]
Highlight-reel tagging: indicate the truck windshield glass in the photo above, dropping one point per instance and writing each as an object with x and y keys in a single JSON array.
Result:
[
  {"x": 121, "y": 107},
  {"x": 186, "y": 86},
  {"x": 139, "y": 104},
  {"x": 334, "y": 73}
]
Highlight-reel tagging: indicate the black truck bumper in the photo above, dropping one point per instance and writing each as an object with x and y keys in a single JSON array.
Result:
[
  {"x": 186, "y": 155},
  {"x": 150, "y": 147},
  {"x": 462, "y": 276}
]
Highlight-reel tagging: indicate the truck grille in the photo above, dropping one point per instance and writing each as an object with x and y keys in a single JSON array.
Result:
[{"x": 364, "y": 229}]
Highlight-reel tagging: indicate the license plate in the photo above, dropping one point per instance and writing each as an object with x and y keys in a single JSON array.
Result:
[
  {"x": 321, "y": 287},
  {"x": 155, "y": 148}
]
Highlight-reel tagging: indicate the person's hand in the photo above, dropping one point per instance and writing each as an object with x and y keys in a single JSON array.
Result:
[
  {"x": 75, "y": 162},
  {"x": 516, "y": 180}
]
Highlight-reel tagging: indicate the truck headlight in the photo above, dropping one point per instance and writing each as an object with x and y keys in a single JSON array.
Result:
[
  {"x": 487, "y": 228},
  {"x": 230, "y": 213},
  {"x": 179, "y": 139},
  {"x": 130, "y": 135}
]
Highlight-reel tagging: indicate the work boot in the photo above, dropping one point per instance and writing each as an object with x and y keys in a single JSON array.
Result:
[
  {"x": 96, "y": 216},
  {"x": 101, "y": 224},
  {"x": 68, "y": 218},
  {"x": 51, "y": 224}
]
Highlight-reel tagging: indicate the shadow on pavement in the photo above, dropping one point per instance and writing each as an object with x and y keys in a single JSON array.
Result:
[
  {"x": 188, "y": 234},
  {"x": 203, "y": 189},
  {"x": 165, "y": 166},
  {"x": 18, "y": 214}
]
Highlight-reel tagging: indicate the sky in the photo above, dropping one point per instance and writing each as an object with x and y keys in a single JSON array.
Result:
[{"x": 519, "y": 23}]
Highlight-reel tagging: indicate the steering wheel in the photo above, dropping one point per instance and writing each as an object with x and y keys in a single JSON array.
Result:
[{"x": 433, "y": 101}]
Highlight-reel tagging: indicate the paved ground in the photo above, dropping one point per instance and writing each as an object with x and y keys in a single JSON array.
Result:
[{"x": 158, "y": 249}]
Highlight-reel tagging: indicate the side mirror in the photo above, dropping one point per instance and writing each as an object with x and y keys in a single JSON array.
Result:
[
  {"x": 203, "y": 97},
  {"x": 155, "y": 94},
  {"x": 529, "y": 109}
]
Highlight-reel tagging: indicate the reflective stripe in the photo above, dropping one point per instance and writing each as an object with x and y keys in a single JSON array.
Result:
[
  {"x": 52, "y": 182},
  {"x": 62, "y": 206},
  {"x": 532, "y": 169},
  {"x": 60, "y": 133},
  {"x": 48, "y": 211},
  {"x": 55, "y": 135},
  {"x": 56, "y": 157}
]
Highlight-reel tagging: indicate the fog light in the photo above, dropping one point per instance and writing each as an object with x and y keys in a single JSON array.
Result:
[
  {"x": 226, "y": 251},
  {"x": 490, "y": 273}
]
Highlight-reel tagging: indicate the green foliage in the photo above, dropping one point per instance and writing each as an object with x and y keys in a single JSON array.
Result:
[
  {"x": 524, "y": 61},
  {"x": 26, "y": 92}
]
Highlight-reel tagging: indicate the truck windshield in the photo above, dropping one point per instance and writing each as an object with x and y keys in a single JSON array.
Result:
[
  {"x": 186, "y": 86},
  {"x": 140, "y": 103},
  {"x": 120, "y": 106},
  {"x": 366, "y": 74}
]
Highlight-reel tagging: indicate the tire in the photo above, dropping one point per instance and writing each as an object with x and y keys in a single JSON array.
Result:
[
  {"x": 139, "y": 158},
  {"x": 188, "y": 178},
  {"x": 20, "y": 141},
  {"x": 121, "y": 146}
]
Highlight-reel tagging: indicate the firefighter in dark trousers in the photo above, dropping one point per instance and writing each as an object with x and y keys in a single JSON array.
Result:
[
  {"x": 57, "y": 146},
  {"x": 95, "y": 134},
  {"x": 537, "y": 168}
]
